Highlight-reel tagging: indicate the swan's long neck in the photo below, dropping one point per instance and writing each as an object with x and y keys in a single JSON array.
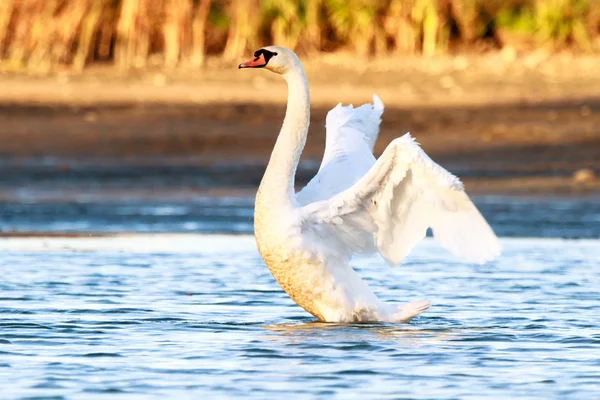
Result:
[{"x": 278, "y": 181}]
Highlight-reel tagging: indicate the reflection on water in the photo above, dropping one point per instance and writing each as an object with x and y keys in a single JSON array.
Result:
[
  {"x": 363, "y": 334},
  {"x": 199, "y": 316}
]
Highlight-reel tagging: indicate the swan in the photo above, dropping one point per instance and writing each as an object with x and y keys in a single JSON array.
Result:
[{"x": 354, "y": 204}]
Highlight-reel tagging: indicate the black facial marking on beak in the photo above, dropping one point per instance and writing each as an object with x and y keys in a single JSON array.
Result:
[
  {"x": 261, "y": 59},
  {"x": 266, "y": 54}
]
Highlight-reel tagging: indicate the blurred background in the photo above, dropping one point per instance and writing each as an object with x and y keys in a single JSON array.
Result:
[
  {"x": 44, "y": 35},
  {"x": 130, "y": 115}
]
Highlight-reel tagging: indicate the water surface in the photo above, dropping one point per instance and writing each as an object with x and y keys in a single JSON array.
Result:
[
  {"x": 199, "y": 316},
  {"x": 62, "y": 196}
]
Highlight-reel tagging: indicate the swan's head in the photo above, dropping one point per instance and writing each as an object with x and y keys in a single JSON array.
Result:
[{"x": 274, "y": 58}]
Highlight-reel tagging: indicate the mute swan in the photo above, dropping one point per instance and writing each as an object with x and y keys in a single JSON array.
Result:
[{"x": 354, "y": 204}]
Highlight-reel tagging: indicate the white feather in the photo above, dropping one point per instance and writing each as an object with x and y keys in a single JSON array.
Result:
[
  {"x": 354, "y": 204},
  {"x": 402, "y": 195},
  {"x": 351, "y": 135}
]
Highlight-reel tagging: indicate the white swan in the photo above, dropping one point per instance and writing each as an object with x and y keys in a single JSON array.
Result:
[{"x": 354, "y": 204}]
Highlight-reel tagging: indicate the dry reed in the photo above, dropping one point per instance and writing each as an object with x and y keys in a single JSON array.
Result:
[{"x": 41, "y": 35}]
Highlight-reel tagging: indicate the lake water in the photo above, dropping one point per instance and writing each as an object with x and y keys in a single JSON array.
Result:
[
  {"x": 105, "y": 196},
  {"x": 185, "y": 308},
  {"x": 195, "y": 316}
]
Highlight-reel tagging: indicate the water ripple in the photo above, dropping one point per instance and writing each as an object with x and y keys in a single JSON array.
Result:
[{"x": 206, "y": 320}]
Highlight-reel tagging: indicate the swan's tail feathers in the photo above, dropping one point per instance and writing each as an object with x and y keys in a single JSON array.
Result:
[{"x": 408, "y": 311}]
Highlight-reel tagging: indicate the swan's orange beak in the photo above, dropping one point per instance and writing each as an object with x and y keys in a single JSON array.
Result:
[{"x": 256, "y": 62}]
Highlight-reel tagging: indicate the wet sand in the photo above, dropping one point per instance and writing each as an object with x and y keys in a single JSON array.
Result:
[
  {"x": 490, "y": 147},
  {"x": 511, "y": 128}
]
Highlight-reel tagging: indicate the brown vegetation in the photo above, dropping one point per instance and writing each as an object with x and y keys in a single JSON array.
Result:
[{"x": 41, "y": 35}]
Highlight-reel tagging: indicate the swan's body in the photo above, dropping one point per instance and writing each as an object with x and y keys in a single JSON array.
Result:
[{"x": 354, "y": 204}]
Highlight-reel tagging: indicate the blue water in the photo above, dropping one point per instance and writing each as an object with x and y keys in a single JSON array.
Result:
[
  {"x": 510, "y": 216},
  {"x": 109, "y": 196},
  {"x": 199, "y": 316},
  {"x": 184, "y": 307}
]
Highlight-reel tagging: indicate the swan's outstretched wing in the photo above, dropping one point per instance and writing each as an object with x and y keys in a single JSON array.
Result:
[
  {"x": 351, "y": 135},
  {"x": 395, "y": 202}
]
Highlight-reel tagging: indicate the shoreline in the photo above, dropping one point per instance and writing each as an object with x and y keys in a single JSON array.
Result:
[
  {"x": 533, "y": 120},
  {"x": 493, "y": 78},
  {"x": 19, "y": 241}
]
